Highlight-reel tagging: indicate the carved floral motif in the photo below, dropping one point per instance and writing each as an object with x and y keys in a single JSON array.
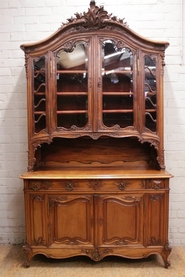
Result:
[
  {"x": 154, "y": 184},
  {"x": 95, "y": 184},
  {"x": 95, "y": 18},
  {"x": 122, "y": 185},
  {"x": 156, "y": 197},
  {"x": 39, "y": 241},
  {"x": 154, "y": 242},
  {"x": 97, "y": 254},
  {"x": 39, "y": 185},
  {"x": 70, "y": 185}
]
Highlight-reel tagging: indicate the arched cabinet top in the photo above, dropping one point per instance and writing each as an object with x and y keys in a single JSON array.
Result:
[{"x": 96, "y": 20}]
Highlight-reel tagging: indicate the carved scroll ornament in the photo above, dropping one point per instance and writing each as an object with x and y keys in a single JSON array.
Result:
[{"x": 95, "y": 18}]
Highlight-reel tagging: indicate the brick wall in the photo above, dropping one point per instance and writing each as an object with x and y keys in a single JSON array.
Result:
[{"x": 32, "y": 20}]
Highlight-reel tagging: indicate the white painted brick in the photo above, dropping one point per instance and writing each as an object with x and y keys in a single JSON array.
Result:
[
  {"x": 36, "y": 27},
  {"x": 14, "y": 4},
  {"x": 5, "y": 71},
  {"x": 25, "y": 19},
  {"x": 2, "y": 98},
  {"x": 53, "y": 3},
  {"x": 13, "y": 11},
  {"x": 38, "y": 11},
  {"x": 31, "y": 4},
  {"x": 181, "y": 215}
]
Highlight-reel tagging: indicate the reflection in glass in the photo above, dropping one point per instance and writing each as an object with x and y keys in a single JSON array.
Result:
[
  {"x": 117, "y": 85},
  {"x": 150, "y": 92},
  {"x": 39, "y": 93},
  {"x": 72, "y": 86}
]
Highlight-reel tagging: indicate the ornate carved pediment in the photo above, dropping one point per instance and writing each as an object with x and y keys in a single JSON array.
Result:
[{"x": 95, "y": 18}]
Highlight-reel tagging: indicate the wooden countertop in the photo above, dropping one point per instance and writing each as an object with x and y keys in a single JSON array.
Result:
[{"x": 93, "y": 173}]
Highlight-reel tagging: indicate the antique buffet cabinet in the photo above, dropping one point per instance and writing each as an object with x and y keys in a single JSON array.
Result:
[{"x": 96, "y": 183}]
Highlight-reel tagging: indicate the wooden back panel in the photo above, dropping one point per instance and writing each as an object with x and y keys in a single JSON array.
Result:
[{"x": 105, "y": 151}]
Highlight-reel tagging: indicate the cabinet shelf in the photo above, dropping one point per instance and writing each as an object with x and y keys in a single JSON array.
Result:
[
  {"x": 71, "y": 71},
  {"x": 121, "y": 93},
  {"x": 39, "y": 93},
  {"x": 72, "y": 112},
  {"x": 117, "y": 111},
  {"x": 150, "y": 110},
  {"x": 39, "y": 112},
  {"x": 71, "y": 93},
  {"x": 107, "y": 72}
]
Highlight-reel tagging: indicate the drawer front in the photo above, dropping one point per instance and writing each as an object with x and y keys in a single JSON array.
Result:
[{"x": 96, "y": 185}]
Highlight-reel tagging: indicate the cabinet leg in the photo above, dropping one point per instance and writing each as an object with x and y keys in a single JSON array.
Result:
[
  {"x": 27, "y": 250},
  {"x": 166, "y": 252}
]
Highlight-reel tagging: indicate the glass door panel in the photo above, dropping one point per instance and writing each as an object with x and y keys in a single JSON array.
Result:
[
  {"x": 117, "y": 85},
  {"x": 72, "y": 86},
  {"x": 39, "y": 94},
  {"x": 150, "y": 87}
]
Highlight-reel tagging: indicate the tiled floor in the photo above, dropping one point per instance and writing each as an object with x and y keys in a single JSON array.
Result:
[{"x": 12, "y": 258}]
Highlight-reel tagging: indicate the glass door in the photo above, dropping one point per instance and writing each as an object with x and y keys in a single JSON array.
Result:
[
  {"x": 72, "y": 86},
  {"x": 39, "y": 94},
  {"x": 150, "y": 92},
  {"x": 117, "y": 85}
]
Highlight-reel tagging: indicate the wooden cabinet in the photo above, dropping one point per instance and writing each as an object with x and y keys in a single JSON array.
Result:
[{"x": 96, "y": 183}]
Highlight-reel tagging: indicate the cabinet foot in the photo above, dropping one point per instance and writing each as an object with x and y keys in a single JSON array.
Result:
[
  {"x": 26, "y": 264},
  {"x": 166, "y": 252},
  {"x": 27, "y": 250}
]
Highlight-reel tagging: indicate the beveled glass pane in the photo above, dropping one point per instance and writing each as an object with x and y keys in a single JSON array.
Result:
[
  {"x": 124, "y": 119},
  {"x": 117, "y": 85},
  {"x": 150, "y": 87},
  {"x": 72, "y": 85},
  {"x": 39, "y": 94}
]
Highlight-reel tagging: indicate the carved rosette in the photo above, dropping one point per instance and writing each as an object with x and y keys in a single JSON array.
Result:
[
  {"x": 35, "y": 186},
  {"x": 70, "y": 185},
  {"x": 122, "y": 185},
  {"x": 154, "y": 184},
  {"x": 95, "y": 184}
]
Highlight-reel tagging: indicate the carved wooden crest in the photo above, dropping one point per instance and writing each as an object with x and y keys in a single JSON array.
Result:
[{"x": 95, "y": 18}]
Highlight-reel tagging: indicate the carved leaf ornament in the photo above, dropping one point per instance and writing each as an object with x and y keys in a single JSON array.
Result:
[{"x": 96, "y": 17}]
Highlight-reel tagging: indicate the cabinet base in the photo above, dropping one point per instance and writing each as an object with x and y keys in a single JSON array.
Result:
[{"x": 97, "y": 254}]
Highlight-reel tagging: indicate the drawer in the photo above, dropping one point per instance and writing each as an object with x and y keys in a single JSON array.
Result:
[{"x": 92, "y": 185}]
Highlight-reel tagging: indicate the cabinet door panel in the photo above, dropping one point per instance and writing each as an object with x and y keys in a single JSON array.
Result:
[
  {"x": 36, "y": 225},
  {"x": 155, "y": 225},
  {"x": 71, "y": 219},
  {"x": 120, "y": 219}
]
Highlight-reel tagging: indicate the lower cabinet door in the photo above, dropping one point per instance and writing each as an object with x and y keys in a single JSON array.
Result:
[
  {"x": 119, "y": 220},
  {"x": 71, "y": 220},
  {"x": 36, "y": 230},
  {"x": 156, "y": 219}
]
